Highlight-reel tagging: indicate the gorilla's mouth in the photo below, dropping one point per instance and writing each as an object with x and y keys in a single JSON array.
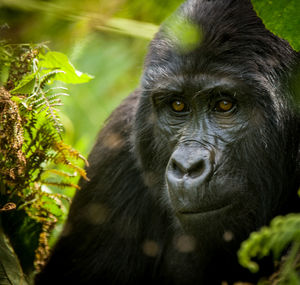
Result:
[{"x": 205, "y": 210}]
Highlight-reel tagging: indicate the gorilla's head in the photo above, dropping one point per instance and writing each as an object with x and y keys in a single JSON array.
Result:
[{"x": 217, "y": 132}]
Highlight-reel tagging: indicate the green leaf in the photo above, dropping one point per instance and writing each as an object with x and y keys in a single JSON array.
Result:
[
  {"x": 283, "y": 231},
  {"x": 16, "y": 99},
  {"x": 4, "y": 73},
  {"x": 51, "y": 205},
  {"x": 282, "y": 18},
  {"x": 58, "y": 61},
  {"x": 10, "y": 269},
  {"x": 26, "y": 85}
]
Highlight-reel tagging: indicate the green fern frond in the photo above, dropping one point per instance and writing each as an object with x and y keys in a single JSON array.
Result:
[
  {"x": 46, "y": 78},
  {"x": 57, "y": 197},
  {"x": 60, "y": 173},
  {"x": 45, "y": 100},
  {"x": 32, "y": 153},
  {"x": 57, "y": 88},
  {"x": 282, "y": 232},
  {"x": 51, "y": 113},
  {"x": 68, "y": 152},
  {"x": 60, "y": 184}
]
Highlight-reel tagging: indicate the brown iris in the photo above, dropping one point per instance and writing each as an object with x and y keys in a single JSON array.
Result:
[
  {"x": 178, "y": 106},
  {"x": 224, "y": 106}
]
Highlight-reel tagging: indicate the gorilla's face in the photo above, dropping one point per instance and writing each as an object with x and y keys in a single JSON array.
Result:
[{"x": 211, "y": 129}]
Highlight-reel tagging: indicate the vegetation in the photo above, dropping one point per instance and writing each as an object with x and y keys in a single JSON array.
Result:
[
  {"x": 32, "y": 152},
  {"x": 282, "y": 240},
  {"x": 282, "y": 18}
]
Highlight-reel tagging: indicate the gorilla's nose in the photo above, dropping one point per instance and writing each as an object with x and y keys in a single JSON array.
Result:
[{"x": 189, "y": 167}]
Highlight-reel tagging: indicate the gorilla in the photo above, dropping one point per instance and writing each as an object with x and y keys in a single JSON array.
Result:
[{"x": 202, "y": 153}]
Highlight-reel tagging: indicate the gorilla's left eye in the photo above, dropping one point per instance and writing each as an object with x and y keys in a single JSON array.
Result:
[
  {"x": 224, "y": 106},
  {"x": 178, "y": 106}
]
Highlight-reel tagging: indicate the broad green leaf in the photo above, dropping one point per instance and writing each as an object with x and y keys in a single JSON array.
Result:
[
  {"x": 281, "y": 17},
  {"x": 16, "y": 99},
  {"x": 56, "y": 60},
  {"x": 26, "y": 85},
  {"x": 4, "y": 73},
  {"x": 10, "y": 269}
]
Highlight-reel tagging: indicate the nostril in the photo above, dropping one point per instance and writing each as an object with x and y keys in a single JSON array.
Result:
[
  {"x": 199, "y": 168},
  {"x": 196, "y": 169},
  {"x": 189, "y": 166},
  {"x": 177, "y": 169}
]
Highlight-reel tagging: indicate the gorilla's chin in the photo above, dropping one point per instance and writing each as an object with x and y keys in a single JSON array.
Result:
[{"x": 202, "y": 212}]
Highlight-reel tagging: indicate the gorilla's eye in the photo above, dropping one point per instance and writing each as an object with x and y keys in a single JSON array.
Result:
[
  {"x": 178, "y": 106},
  {"x": 224, "y": 106}
]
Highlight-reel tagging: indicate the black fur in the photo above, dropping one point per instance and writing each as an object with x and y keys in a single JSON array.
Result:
[{"x": 131, "y": 223}]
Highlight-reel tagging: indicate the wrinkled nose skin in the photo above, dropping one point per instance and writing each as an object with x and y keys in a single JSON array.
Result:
[{"x": 189, "y": 167}]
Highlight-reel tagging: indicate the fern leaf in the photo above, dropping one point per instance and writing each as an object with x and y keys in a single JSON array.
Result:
[
  {"x": 282, "y": 232},
  {"x": 59, "y": 173},
  {"x": 56, "y": 95},
  {"x": 61, "y": 184},
  {"x": 57, "y": 88},
  {"x": 47, "y": 77},
  {"x": 55, "y": 102}
]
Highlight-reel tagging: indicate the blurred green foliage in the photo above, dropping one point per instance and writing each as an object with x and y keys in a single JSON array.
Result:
[
  {"x": 97, "y": 37},
  {"x": 282, "y": 18},
  {"x": 186, "y": 35},
  {"x": 116, "y": 64},
  {"x": 282, "y": 240}
]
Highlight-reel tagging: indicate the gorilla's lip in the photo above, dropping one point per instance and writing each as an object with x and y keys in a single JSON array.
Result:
[{"x": 206, "y": 210}]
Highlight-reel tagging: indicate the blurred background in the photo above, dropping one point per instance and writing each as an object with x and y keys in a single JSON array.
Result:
[{"x": 105, "y": 38}]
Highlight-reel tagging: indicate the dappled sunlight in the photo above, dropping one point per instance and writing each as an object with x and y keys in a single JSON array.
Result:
[
  {"x": 113, "y": 141},
  {"x": 150, "y": 248},
  {"x": 96, "y": 213},
  {"x": 185, "y": 243}
]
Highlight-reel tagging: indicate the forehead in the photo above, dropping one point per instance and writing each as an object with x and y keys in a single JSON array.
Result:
[
  {"x": 195, "y": 72},
  {"x": 197, "y": 82}
]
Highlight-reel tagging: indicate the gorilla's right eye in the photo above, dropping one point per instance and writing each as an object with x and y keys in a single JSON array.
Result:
[
  {"x": 224, "y": 106},
  {"x": 178, "y": 106}
]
